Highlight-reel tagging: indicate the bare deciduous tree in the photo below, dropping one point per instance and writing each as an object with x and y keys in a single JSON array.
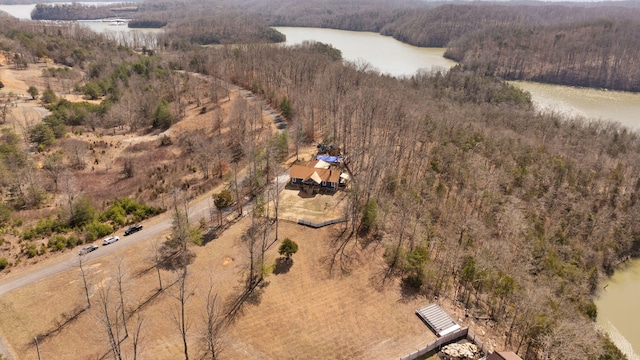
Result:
[
  {"x": 180, "y": 317},
  {"x": 111, "y": 320},
  {"x": 83, "y": 273},
  {"x": 120, "y": 282},
  {"x": 156, "y": 258},
  {"x": 213, "y": 324}
]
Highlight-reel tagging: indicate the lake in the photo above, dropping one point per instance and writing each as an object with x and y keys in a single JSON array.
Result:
[
  {"x": 398, "y": 59},
  {"x": 384, "y": 53}
]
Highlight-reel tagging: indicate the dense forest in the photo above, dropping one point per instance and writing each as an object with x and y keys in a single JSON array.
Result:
[
  {"x": 540, "y": 42},
  {"x": 219, "y": 29},
  {"x": 598, "y": 53},
  {"x": 469, "y": 191}
]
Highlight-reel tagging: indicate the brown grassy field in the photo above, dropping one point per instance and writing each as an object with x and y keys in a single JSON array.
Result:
[{"x": 303, "y": 313}]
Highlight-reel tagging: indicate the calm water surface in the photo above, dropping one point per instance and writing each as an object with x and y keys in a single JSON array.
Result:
[
  {"x": 618, "y": 308},
  {"x": 384, "y": 53},
  {"x": 395, "y": 58},
  {"x": 18, "y": 11},
  {"x": 620, "y": 106}
]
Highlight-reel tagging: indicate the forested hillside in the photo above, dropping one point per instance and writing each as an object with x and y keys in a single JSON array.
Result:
[
  {"x": 438, "y": 26},
  {"x": 219, "y": 29},
  {"x": 519, "y": 214},
  {"x": 464, "y": 188},
  {"x": 73, "y": 11},
  {"x": 598, "y": 53},
  {"x": 573, "y": 44}
]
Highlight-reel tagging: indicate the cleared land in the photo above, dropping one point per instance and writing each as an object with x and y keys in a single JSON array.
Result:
[
  {"x": 295, "y": 205},
  {"x": 303, "y": 313}
]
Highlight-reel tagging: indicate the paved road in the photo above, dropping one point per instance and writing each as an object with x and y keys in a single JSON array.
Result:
[
  {"x": 71, "y": 260},
  {"x": 157, "y": 228},
  {"x": 154, "y": 228},
  {"x": 200, "y": 208}
]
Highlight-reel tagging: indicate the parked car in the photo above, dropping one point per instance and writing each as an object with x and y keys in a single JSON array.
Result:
[
  {"x": 110, "y": 240},
  {"x": 132, "y": 229},
  {"x": 88, "y": 249}
]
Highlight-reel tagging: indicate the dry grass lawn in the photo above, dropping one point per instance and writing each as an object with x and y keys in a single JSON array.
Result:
[
  {"x": 295, "y": 205},
  {"x": 303, "y": 313}
]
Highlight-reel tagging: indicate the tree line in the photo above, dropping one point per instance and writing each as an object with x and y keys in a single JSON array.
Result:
[
  {"x": 77, "y": 11},
  {"x": 185, "y": 23}
]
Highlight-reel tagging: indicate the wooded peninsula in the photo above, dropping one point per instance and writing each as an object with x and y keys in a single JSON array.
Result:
[
  {"x": 458, "y": 184},
  {"x": 579, "y": 44}
]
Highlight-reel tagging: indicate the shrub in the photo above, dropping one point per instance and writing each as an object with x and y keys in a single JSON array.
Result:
[
  {"x": 93, "y": 91},
  {"x": 370, "y": 216},
  {"x": 589, "y": 309},
  {"x": 33, "y": 91},
  {"x": 42, "y": 135},
  {"x": 223, "y": 199},
  {"x": 98, "y": 229},
  {"x": 115, "y": 213},
  {"x": 31, "y": 250},
  {"x": 3, "y": 263},
  {"x": 44, "y": 228},
  {"x": 280, "y": 146},
  {"x": 414, "y": 265},
  {"x": 49, "y": 96},
  {"x": 288, "y": 248},
  {"x": 286, "y": 108},
  {"x": 72, "y": 241},
  {"x": 57, "y": 243},
  {"x": 83, "y": 212},
  {"x": 162, "y": 117},
  {"x": 137, "y": 211},
  {"x": 5, "y": 214},
  {"x": 90, "y": 237}
]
